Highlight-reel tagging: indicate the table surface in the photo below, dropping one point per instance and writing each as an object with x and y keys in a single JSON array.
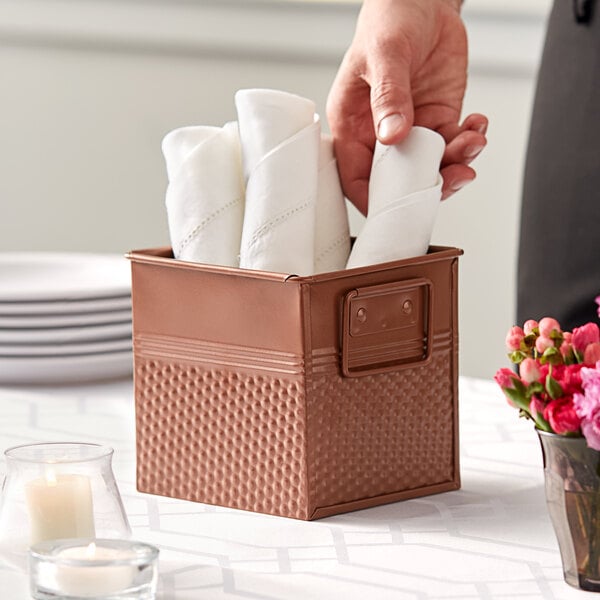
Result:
[{"x": 490, "y": 540}]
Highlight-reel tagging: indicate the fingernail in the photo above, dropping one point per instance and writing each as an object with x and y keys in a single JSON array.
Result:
[
  {"x": 458, "y": 185},
  {"x": 481, "y": 128},
  {"x": 472, "y": 151},
  {"x": 390, "y": 125}
]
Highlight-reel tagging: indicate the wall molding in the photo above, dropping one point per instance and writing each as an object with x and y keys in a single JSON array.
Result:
[{"x": 502, "y": 41}]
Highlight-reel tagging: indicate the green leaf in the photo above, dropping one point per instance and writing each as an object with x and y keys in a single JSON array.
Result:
[
  {"x": 542, "y": 424},
  {"x": 517, "y": 356},
  {"x": 556, "y": 335},
  {"x": 551, "y": 355},
  {"x": 535, "y": 388},
  {"x": 518, "y": 399},
  {"x": 553, "y": 387},
  {"x": 520, "y": 387},
  {"x": 528, "y": 342}
]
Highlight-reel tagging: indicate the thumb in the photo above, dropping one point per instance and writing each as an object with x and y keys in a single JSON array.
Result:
[{"x": 392, "y": 107}]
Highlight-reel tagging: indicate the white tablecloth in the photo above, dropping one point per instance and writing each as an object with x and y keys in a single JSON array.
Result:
[{"x": 491, "y": 540}]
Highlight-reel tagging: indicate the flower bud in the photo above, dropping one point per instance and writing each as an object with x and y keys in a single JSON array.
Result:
[
  {"x": 543, "y": 343},
  {"x": 529, "y": 326},
  {"x": 505, "y": 378},
  {"x": 584, "y": 335},
  {"x": 529, "y": 370},
  {"x": 514, "y": 337},
  {"x": 592, "y": 354},
  {"x": 547, "y": 325}
]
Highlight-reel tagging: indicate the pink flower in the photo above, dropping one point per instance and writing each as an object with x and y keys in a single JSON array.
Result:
[
  {"x": 536, "y": 407},
  {"x": 598, "y": 303},
  {"x": 587, "y": 405},
  {"x": 530, "y": 325},
  {"x": 529, "y": 370},
  {"x": 547, "y": 325},
  {"x": 592, "y": 354},
  {"x": 566, "y": 348},
  {"x": 543, "y": 343},
  {"x": 514, "y": 337},
  {"x": 590, "y": 380},
  {"x": 561, "y": 415},
  {"x": 568, "y": 376},
  {"x": 591, "y": 430},
  {"x": 584, "y": 335},
  {"x": 505, "y": 378}
]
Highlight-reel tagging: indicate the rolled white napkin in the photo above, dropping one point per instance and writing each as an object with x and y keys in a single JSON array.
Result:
[
  {"x": 205, "y": 196},
  {"x": 405, "y": 189},
  {"x": 279, "y": 135},
  {"x": 332, "y": 231}
]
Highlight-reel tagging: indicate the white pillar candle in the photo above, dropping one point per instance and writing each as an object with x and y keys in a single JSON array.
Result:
[
  {"x": 92, "y": 574},
  {"x": 60, "y": 506}
]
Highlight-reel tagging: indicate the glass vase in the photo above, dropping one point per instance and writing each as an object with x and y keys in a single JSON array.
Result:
[
  {"x": 571, "y": 474},
  {"x": 56, "y": 491}
]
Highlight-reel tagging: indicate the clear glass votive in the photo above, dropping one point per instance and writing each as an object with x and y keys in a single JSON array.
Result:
[
  {"x": 99, "y": 569},
  {"x": 58, "y": 491}
]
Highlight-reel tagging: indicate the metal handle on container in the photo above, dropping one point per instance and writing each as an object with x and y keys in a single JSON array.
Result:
[{"x": 386, "y": 327}]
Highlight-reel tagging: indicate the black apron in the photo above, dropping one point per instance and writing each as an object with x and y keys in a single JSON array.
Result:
[{"x": 559, "y": 252}]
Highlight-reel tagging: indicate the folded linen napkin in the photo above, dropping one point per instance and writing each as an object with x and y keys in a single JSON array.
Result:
[
  {"x": 205, "y": 196},
  {"x": 332, "y": 231},
  {"x": 280, "y": 138},
  {"x": 405, "y": 190}
]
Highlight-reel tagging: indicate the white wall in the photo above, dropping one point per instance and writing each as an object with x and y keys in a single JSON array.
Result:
[{"x": 89, "y": 89}]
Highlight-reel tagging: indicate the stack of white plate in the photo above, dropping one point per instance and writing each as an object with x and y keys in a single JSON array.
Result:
[{"x": 64, "y": 317}]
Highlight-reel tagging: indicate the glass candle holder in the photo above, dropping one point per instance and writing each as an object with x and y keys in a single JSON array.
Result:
[
  {"x": 94, "y": 568},
  {"x": 58, "y": 491}
]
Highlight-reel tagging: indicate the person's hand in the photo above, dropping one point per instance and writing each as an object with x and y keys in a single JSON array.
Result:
[{"x": 406, "y": 65}]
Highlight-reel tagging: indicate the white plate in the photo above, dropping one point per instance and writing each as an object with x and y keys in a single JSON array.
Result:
[
  {"x": 52, "y": 321},
  {"x": 49, "y": 350},
  {"x": 66, "y": 369},
  {"x": 64, "y": 335},
  {"x": 43, "y": 276},
  {"x": 65, "y": 306}
]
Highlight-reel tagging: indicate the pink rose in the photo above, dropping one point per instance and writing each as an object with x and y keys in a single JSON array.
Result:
[
  {"x": 514, "y": 337},
  {"x": 561, "y": 415},
  {"x": 529, "y": 370},
  {"x": 547, "y": 325},
  {"x": 543, "y": 343},
  {"x": 592, "y": 354},
  {"x": 530, "y": 325},
  {"x": 584, "y": 335}
]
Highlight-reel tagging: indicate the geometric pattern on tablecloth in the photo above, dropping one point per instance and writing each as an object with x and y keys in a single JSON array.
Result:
[{"x": 491, "y": 540}]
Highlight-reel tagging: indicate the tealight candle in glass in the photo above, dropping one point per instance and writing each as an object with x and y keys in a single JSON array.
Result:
[
  {"x": 58, "y": 491},
  {"x": 94, "y": 568}
]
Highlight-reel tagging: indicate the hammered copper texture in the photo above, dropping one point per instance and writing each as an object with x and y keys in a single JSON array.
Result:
[
  {"x": 389, "y": 433},
  {"x": 264, "y": 418},
  {"x": 220, "y": 437}
]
